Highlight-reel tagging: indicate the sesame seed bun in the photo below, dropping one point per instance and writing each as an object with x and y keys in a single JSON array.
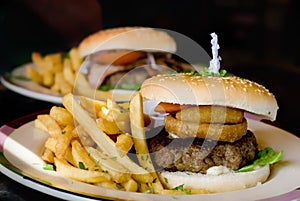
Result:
[
  {"x": 127, "y": 38},
  {"x": 230, "y": 91}
]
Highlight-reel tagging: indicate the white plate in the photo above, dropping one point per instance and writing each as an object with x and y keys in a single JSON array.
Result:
[
  {"x": 29, "y": 88},
  {"x": 33, "y": 90},
  {"x": 22, "y": 148}
]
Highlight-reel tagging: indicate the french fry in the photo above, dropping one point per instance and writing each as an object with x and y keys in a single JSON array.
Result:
[
  {"x": 48, "y": 156},
  {"x": 53, "y": 59},
  {"x": 51, "y": 144},
  {"x": 139, "y": 138},
  {"x": 75, "y": 132},
  {"x": 124, "y": 144},
  {"x": 51, "y": 125},
  {"x": 69, "y": 157},
  {"x": 138, "y": 133},
  {"x": 80, "y": 155},
  {"x": 47, "y": 65},
  {"x": 89, "y": 124},
  {"x": 38, "y": 124},
  {"x": 124, "y": 105},
  {"x": 119, "y": 114},
  {"x": 93, "y": 106},
  {"x": 143, "y": 187},
  {"x": 112, "y": 105},
  {"x": 52, "y": 72},
  {"x": 68, "y": 72},
  {"x": 55, "y": 87},
  {"x": 63, "y": 141},
  {"x": 122, "y": 120},
  {"x": 37, "y": 59},
  {"x": 34, "y": 75},
  {"x": 88, "y": 176},
  {"x": 130, "y": 185},
  {"x": 60, "y": 84},
  {"x": 76, "y": 60},
  {"x": 61, "y": 116},
  {"x": 106, "y": 113},
  {"x": 115, "y": 118},
  {"x": 84, "y": 137},
  {"x": 57, "y": 68},
  {"x": 109, "y": 127},
  {"x": 48, "y": 78},
  {"x": 102, "y": 140},
  {"x": 46, "y": 70},
  {"x": 83, "y": 88},
  {"x": 118, "y": 173}
]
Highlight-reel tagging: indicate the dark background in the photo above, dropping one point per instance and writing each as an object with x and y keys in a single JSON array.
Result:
[{"x": 259, "y": 39}]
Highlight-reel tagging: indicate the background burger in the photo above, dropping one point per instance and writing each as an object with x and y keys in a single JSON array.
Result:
[
  {"x": 205, "y": 142},
  {"x": 112, "y": 53}
]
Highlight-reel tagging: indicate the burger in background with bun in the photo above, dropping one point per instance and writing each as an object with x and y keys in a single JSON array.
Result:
[
  {"x": 112, "y": 53},
  {"x": 205, "y": 142}
]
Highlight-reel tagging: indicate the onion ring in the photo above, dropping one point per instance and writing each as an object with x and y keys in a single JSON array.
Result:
[
  {"x": 214, "y": 131},
  {"x": 210, "y": 114}
]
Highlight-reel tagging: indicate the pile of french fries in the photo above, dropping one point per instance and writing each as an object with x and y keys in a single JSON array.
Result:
[
  {"x": 89, "y": 141},
  {"x": 55, "y": 71},
  {"x": 60, "y": 73}
]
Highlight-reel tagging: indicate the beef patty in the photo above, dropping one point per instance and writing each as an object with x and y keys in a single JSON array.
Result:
[{"x": 197, "y": 155}]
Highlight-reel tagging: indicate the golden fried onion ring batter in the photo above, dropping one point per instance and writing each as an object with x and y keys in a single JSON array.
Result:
[
  {"x": 214, "y": 131},
  {"x": 210, "y": 114}
]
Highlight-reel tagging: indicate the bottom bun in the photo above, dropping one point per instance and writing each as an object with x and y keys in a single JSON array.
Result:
[{"x": 218, "y": 179}]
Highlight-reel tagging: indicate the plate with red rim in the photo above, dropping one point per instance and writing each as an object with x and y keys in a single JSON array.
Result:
[{"x": 20, "y": 136}]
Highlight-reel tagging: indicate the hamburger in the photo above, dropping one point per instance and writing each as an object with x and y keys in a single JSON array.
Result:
[
  {"x": 204, "y": 142},
  {"x": 112, "y": 53}
]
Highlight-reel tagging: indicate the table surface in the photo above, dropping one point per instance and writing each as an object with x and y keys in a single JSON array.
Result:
[{"x": 13, "y": 106}]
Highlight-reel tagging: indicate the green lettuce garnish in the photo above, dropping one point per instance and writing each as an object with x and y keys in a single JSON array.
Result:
[
  {"x": 65, "y": 55},
  {"x": 182, "y": 189},
  {"x": 17, "y": 77},
  {"x": 82, "y": 166},
  {"x": 125, "y": 86},
  {"x": 48, "y": 167},
  {"x": 265, "y": 157},
  {"x": 206, "y": 72}
]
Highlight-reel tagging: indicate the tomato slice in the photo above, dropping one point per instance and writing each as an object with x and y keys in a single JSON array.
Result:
[
  {"x": 123, "y": 57},
  {"x": 167, "y": 107}
]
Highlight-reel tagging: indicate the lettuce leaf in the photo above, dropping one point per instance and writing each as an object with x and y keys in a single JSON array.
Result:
[
  {"x": 134, "y": 86},
  {"x": 265, "y": 157}
]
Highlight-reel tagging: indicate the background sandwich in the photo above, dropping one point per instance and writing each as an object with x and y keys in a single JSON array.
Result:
[{"x": 113, "y": 53}]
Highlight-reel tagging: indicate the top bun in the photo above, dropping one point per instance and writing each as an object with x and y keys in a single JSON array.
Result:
[
  {"x": 128, "y": 38},
  {"x": 185, "y": 88}
]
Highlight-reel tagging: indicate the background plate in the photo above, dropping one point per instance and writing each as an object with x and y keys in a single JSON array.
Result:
[
  {"x": 26, "y": 87},
  {"x": 29, "y": 88}
]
